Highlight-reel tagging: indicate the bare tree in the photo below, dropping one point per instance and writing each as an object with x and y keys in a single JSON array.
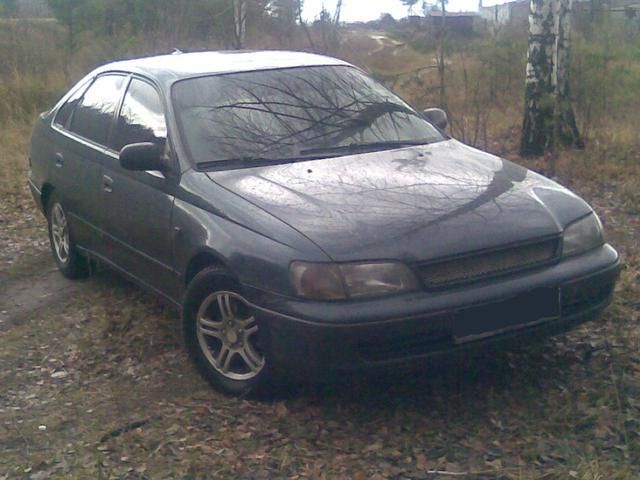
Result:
[
  {"x": 441, "y": 67},
  {"x": 336, "y": 15},
  {"x": 548, "y": 113},
  {"x": 239, "y": 22},
  {"x": 329, "y": 26},
  {"x": 410, "y": 4},
  {"x": 305, "y": 28},
  {"x": 68, "y": 13},
  {"x": 537, "y": 125},
  {"x": 566, "y": 131}
]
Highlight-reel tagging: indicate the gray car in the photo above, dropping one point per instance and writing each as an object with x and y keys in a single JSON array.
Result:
[{"x": 304, "y": 219}]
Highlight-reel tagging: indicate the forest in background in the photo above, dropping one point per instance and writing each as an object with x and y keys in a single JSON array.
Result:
[
  {"x": 95, "y": 383},
  {"x": 41, "y": 57}
]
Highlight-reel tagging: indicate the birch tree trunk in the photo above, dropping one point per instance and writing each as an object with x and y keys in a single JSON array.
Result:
[
  {"x": 539, "y": 96},
  {"x": 441, "y": 66},
  {"x": 239, "y": 22},
  {"x": 566, "y": 130},
  {"x": 336, "y": 15},
  {"x": 305, "y": 28},
  {"x": 548, "y": 114}
]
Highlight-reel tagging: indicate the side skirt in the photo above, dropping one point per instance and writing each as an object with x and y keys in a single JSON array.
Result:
[{"x": 129, "y": 276}]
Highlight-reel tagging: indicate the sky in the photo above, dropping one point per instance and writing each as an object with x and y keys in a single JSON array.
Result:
[{"x": 354, "y": 10}]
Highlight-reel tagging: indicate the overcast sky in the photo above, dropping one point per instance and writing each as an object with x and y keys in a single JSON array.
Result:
[{"x": 353, "y": 10}]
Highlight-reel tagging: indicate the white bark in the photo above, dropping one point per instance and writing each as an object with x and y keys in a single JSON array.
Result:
[
  {"x": 541, "y": 41},
  {"x": 336, "y": 15},
  {"x": 566, "y": 128},
  {"x": 548, "y": 115},
  {"x": 441, "y": 66},
  {"x": 537, "y": 127},
  {"x": 562, "y": 31},
  {"x": 239, "y": 21}
]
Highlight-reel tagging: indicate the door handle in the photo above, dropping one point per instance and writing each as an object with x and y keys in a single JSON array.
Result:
[
  {"x": 59, "y": 159},
  {"x": 107, "y": 183}
]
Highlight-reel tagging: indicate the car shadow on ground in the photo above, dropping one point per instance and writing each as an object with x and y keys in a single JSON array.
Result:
[
  {"x": 470, "y": 381},
  {"x": 473, "y": 377},
  {"x": 122, "y": 352}
]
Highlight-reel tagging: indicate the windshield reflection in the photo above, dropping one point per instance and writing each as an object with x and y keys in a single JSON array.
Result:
[{"x": 284, "y": 113}]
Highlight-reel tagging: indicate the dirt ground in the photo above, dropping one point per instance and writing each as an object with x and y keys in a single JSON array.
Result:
[{"x": 95, "y": 384}]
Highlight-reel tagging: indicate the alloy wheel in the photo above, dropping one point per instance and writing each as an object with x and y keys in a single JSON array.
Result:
[
  {"x": 60, "y": 233},
  {"x": 227, "y": 335}
]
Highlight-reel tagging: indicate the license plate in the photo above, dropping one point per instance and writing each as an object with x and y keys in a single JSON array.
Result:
[{"x": 526, "y": 309}]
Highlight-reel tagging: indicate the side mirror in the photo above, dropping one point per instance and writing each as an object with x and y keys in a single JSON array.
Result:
[
  {"x": 142, "y": 156},
  {"x": 436, "y": 116}
]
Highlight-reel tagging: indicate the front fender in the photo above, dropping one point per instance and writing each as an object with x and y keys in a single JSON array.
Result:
[{"x": 255, "y": 259}]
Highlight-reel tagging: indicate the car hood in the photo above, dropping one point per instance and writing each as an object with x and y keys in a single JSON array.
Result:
[{"x": 414, "y": 204}]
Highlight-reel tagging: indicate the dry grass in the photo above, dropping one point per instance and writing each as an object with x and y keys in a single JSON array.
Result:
[
  {"x": 129, "y": 404},
  {"x": 13, "y": 156}
]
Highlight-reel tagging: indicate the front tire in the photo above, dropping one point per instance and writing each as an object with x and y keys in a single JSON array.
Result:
[
  {"x": 223, "y": 336},
  {"x": 70, "y": 263}
]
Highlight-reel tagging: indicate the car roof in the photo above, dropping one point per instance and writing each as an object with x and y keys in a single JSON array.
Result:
[{"x": 167, "y": 69}]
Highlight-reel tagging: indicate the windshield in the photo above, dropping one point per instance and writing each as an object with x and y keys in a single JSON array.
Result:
[{"x": 289, "y": 113}]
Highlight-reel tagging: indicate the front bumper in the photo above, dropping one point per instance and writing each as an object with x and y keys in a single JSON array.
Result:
[{"x": 319, "y": 338}]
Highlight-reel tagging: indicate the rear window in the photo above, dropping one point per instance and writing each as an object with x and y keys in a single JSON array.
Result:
[
  {"x": 93, "y": 116},
  {"x": 65, "y": 111}
]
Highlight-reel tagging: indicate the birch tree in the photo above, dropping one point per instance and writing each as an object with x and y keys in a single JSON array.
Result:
[
  {"x": 548, "y": 114},
  {"x": 566, "y": 130},
  {"x": 239, "y": 22},
  {"x": 285, "y": 14},
  {"x": 441, "y": 66},
  {"x": 330, "y": 28}
]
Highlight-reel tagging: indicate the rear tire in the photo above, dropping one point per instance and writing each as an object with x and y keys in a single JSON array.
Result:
[
  {"x": 222, "y": 335},
  {"x": 70, "y": 263}
]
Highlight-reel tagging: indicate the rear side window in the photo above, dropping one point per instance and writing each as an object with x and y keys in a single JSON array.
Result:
[
  {"x": 141, "y": 118},
  {"x": 94, "y": 114},
  {"x": 65, "y": 111}
]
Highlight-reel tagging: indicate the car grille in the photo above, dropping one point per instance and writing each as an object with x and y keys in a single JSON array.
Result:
[{"x": 480, "y": 266}]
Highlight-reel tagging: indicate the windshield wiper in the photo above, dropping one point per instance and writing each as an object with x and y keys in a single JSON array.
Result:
[
  {"x": 363, "y": 147},
  {"x": 247, "y": 161}
]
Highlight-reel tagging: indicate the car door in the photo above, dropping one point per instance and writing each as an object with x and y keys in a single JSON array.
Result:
[
  {"x": 137, "y": 205},
  {"x": 81, "y": 128}
]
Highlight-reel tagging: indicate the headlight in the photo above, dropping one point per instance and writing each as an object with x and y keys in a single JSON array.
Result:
[
  {"x": 377, "y": 279},
  {"x": 331, "y": 281},
  {"x": 581, "y": 236},
  {"x": 317, "y": 280}
]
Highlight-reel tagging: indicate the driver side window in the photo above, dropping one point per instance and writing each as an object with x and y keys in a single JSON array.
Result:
[{"x": 141, "y": 117}]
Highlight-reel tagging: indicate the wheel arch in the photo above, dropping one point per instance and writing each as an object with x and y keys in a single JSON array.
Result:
[
  {"x": 201, "y": 260},
  {"x": 45, "y": 195}
]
